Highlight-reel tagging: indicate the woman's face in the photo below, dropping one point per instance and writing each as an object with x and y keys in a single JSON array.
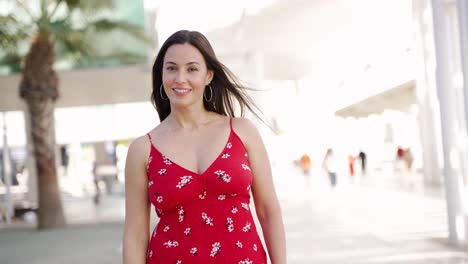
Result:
[{"x": 185, "y": 75}]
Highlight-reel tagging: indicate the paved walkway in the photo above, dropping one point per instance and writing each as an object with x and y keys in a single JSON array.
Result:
[{"x": 363, "y": 222}]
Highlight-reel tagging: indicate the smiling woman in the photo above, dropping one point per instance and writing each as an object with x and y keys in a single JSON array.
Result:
[{"x": 199, "y": 167}]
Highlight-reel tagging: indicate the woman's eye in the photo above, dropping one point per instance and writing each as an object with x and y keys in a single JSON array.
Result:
[
  {"x": 170, "y": 68},
  {"x": 193, "y": 69}
]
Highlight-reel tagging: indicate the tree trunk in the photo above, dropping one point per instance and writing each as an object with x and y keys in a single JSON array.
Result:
[{"x": 38, "y": 88}]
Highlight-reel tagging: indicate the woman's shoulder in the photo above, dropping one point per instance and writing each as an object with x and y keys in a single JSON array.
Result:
[
  {"x": 245, "y": 129},
  {"x": 242, "y": 123},
  {"x": 140, "y": 147}
]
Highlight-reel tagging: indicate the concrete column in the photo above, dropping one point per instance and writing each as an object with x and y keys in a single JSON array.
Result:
[
  {"x": 462, "y": 7},
  {"x": 428, "y": 117},
  {"x": 451, "y": 120}
]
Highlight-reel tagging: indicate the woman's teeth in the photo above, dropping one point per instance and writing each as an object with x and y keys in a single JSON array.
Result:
[{"x": 181, "y": 91}]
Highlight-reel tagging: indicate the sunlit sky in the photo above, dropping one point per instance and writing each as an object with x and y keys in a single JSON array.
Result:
[{"x": 201, "y": 15}]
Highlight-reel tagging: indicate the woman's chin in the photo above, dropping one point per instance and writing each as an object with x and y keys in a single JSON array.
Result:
[{"x": 183, "y": 102}]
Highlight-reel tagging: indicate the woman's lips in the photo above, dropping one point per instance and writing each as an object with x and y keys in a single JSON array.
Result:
[{"x": 181, "y": 91}]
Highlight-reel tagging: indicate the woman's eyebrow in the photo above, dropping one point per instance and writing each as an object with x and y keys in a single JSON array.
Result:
[{"x": 188, "y": 63}]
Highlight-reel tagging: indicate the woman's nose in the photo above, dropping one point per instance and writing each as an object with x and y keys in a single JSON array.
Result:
[{"x": 180, "y": 77}]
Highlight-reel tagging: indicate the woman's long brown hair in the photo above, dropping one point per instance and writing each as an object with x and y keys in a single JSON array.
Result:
[{"x": 224, "y": 86}]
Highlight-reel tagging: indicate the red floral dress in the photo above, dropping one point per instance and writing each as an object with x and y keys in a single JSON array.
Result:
[{"x": 204, "y": 218}]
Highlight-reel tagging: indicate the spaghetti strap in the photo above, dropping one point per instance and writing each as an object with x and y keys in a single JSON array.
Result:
[
  {"x": 150, "y": 139},
  {"x": 230, "y": 122}
]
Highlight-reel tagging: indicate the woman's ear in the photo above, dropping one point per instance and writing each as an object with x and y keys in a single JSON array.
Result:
[{"x": 209, "y": 77}]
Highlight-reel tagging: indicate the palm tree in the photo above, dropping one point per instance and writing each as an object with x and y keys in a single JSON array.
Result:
[{"x": 53, "y": 27}]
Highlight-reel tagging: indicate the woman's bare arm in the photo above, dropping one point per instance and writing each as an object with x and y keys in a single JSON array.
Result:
[
  {"x": 266, "y": 202},
  {"x": 137, "y": 206}
]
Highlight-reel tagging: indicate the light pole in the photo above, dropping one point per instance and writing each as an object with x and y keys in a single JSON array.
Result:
[{"x": 7, "y": 173}]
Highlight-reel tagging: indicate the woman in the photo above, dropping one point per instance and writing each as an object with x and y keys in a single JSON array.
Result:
[{"x": 198, "y": 168}]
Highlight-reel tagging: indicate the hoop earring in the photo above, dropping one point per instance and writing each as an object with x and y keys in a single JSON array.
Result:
[
  {"x": 161, "y": 93},
  {"x": 211, "y": 94}
]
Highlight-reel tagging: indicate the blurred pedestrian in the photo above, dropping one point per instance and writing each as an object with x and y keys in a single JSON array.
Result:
[
  {"x": 329, "y": 166},
  {"x": 96, "y": 180},
  {"x": 363, "y": 160},
  {"x": 399, "y": 160},
  {"x": 408, "y": 159},
  {"x": 305, "y": 163},
  {"x": 351, "y": 166}
]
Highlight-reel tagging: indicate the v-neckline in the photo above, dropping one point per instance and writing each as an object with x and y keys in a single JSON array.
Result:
[{"x": 163, "y": 156}]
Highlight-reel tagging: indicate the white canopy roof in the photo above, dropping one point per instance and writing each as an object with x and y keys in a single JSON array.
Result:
[{"x": 293, "y": 35}]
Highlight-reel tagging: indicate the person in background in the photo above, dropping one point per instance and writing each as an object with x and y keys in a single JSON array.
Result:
[
  {"x": 351, "y": 166},
  {"x": 305, "y": 164},
  {"x": 329, "y": 166},
  {"x": 363, "y": 160},
  {"x": 96, "y": 180},
  {"x": 408, "y": 159}
]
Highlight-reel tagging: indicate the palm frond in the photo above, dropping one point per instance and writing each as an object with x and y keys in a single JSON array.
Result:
[
  {"x": 74, "y": 45},
  {"x": 12, "y": 32},
  {"x": 80, "y": 29},
  {"x": 78, "y": 45},
  {"x": 13, "y": 60},
  {"x": 26, "y": 9},
  {"x": 89, "y": 6},
  {"x": 107, "y": 25}
]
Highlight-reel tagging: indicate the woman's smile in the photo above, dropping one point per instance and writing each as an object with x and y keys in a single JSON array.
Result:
[{"x": 179, "y": 91}]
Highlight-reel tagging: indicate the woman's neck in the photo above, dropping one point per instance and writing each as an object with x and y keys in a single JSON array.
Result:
[{"x": 189, "y": 119}]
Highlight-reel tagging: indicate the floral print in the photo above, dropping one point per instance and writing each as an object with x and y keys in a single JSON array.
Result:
[
  {"x": 184, "y": 180},
  {"x": 229, "y": 224},
  {"x": 202, "y": 196},
  {"x": 216, "y": 249},
  {"x": 207, "y": 220},
  {"x": 204, "y": 217},
  {"x": 171, "y": 243},
  {"x": 159, "y": 198},
  {"x": 223, "y": 176},
  {"x": 246, "y": 228},
  {"x": 181, "y": 212},
  {"x": 238, "y": 244}
]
